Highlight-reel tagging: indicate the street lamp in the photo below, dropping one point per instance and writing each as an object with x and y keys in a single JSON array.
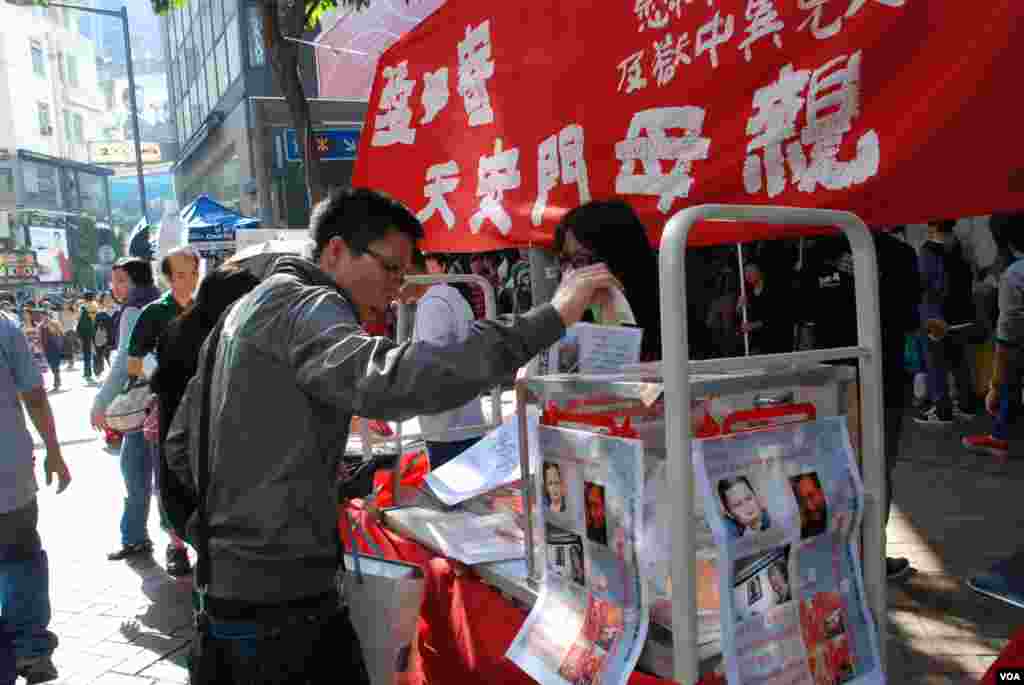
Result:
[{"x": 123, "y": 16}]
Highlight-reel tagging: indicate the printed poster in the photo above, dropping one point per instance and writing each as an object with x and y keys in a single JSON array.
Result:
[
  {"x": 590, "y": 621},
  {"x": 52, "y": 259},
  {"x": 785, "y": 507}
]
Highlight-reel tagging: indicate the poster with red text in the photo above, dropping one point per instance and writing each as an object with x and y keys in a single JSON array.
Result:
[{"x": 491, "y": 120}]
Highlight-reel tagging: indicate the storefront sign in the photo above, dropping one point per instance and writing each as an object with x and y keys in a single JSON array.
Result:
[
  {"x": 330, "y": 144},
  {"x": 491, "y": 122},
  {"x": 123, "y": 152},
  {"x": 17, "y": 268}
]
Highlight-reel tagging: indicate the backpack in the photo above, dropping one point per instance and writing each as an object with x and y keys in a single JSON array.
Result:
[{"x": 86, "y": 328}]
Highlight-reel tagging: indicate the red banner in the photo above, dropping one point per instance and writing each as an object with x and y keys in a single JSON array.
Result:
[{"x": 493, "y": 119}]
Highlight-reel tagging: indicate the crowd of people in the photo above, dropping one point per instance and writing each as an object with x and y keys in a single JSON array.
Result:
[{"x": 249, "y": 483}]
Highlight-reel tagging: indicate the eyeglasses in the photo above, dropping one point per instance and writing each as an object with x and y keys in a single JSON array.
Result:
[{"x": 391, "y": 268}]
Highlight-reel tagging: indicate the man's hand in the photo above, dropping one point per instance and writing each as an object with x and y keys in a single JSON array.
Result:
[
  {"x": 99, "y": 420},
  {"x": 581, "y": 289},
  {"x": 55, "y": 466},
  {"x": 992, "y": 401}
]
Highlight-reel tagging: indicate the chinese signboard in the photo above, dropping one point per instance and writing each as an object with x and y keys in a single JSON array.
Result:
[
  {"x": 329, "y": 144},
  {"x": 123, "y": 152},
  {"x": 491, "y": 123},
  {"x": 17, "y": 267}
]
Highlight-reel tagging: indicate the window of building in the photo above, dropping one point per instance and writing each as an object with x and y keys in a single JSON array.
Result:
[
  {"x": 78, "y": 128},
  {"x": 203, "y": 35},
  {"x": 69, "y": 127},
  {"x": 211, "y": 81},
  {"x": 230, "y": 9},
  {"x": 38, "y": 59},
  {"x": 256, "y": 50},
  {"x": 71, "y": 67},
  {"x": 218, "y": 17},
  {"x": 234, "y": 41},
  {"x": 45, "y": 125},
  {"x": 40, "y": 185},
  {"x": 6, "y": 181},
  {"x": 93, "y": 190},
  {"x": 221, "y": 55}
]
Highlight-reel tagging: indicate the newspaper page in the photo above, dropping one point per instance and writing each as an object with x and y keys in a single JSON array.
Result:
[
  {"x": 785, "y": 507},
  {"x": 590, "y": 622},
  {"x": 590, "y": 348},
  {"x": 491, "y": 463}
]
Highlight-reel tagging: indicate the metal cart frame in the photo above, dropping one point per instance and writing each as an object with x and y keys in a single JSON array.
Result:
[{"x": 677, "y": 369}]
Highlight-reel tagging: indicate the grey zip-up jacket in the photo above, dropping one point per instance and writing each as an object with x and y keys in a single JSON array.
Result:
[{"x": 292, "y": 368}]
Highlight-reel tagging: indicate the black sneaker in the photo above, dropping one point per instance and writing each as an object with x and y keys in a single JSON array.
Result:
[
  {"x": 36, "y": 669},
  {"x": 128, "y": 551},
  {"x": 896, "y": 568},
  {"x": 177, "y": 562},
  {"x": 933, "y": 416}
]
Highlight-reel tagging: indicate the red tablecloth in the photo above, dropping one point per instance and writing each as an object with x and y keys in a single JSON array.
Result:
[
  {"x": 1012, "y": 656},
  {"x": 465, "y": 626}
]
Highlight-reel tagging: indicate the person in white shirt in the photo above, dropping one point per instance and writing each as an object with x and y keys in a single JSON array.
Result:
[{"x": 443, "y": 317}]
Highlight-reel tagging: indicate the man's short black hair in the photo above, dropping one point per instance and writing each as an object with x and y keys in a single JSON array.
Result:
[
  {"x": 360, "y": 216},
  {"x": 419, "y": 261},
  {"x": 138, "y": 270}
]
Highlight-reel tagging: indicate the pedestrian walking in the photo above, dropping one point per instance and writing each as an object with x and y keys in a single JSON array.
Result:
[
  {"x": 24, "y": 568},
  {"x": 104, "y": 338},
  {"x": 51, "y": 336},
  {"x": 285, "y": 372},
  {"x": 135, "y": 277},
  {"x": 69, "y": 321},
  {"x": 86, "y": 329}
]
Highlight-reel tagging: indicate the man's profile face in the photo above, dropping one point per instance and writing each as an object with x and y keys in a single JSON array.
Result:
[
  {"x": 374, "y": 278},
  {"x": 120, "y": 284},
  {"x": 184, "y": 276},
  {"x": 812, "y": 500}
]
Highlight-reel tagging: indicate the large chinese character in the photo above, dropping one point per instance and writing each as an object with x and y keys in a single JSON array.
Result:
[
  {"x": 778, "y": 105},
  {"x": 475, "y": 67},
  {"x": 714, "y": 33},
  {"x": 815, "y": 20},
  {"x": 650, "y": 151},
  {"x": 435, "y": 94},
  {"x": 392, "y": 123},
  {"x": 632, "y": 73},
  {"x": 568, "y": 145},
  {"x": 497, "y": 173},
  {"x": 833, "y": 101},
  {"x": 668, "y": 55},
  {"x": 441, "y": 180},
  {"x": 762, "y": 21}
]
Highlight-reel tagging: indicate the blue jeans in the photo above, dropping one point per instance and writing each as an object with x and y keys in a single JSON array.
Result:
[
  {"x": 24, "y": 585},
  {"x": 443, "y": 452},
  {"x": 87, "y": 358},
  {"x": 1009, "y": 409},
  {"x": 137, "y": 468}
]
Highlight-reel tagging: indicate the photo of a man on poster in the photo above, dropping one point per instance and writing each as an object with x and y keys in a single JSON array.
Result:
[
  {"x": 555, "y": 488},
  {"x": 597, "y": 523},
  {"x": 744, "y": 513},
  {"x": 813, "y": 508}
]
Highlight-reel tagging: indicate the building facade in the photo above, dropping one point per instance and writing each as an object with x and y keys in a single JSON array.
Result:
[
  {"x": 216, "y": 62},
  {"x": 50, "y": 100}
]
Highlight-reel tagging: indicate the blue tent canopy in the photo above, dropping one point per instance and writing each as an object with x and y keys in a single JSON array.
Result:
[{"x": 210, "y": 222}]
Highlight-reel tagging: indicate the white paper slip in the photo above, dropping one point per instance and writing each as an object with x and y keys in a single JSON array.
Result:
[
  {"x": 589, "y": 348},
  {"x": 474, "y": 539},
  {"x": 491, "y": 463}
]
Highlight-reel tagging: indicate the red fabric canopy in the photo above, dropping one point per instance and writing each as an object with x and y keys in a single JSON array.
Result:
[{"x": 493, "y": 119}]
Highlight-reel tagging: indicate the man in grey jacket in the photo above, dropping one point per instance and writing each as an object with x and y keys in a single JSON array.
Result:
[{"x": 292, "y": 368}]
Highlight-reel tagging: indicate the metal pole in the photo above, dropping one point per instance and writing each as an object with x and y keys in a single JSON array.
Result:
[
  {"x": 743, "y": 296},
  {"x": 134, "y": 113}
]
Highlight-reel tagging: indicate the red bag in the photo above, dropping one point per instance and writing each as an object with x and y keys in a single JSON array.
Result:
[{"x": 414, "y": 467}]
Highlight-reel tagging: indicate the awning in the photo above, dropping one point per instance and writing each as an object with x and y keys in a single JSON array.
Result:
[{"x": 211, "y": 226}]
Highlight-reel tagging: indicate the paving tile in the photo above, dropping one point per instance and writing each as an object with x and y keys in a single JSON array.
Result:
[
  {"x": 166, "y": 671},
  {"x": 120, "y": 679}
]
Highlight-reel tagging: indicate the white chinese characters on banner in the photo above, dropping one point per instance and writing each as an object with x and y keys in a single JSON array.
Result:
[
  {"x": 656, "y": 147},
  {"x": 762, "y": 21},
  {"x": 632, "y": 73},
  {"x": 498, "y": 173},
  {"x": 475, "y": 68},
  {"x": 560, "y": 158},
  {"x": 656, "y": 14},
  {"x": 669, "y": 53},
  {"x": 392, "y": 124},
  {"x": 831, "y": 102},
  {"x": 441, "y": 180},
  {"x": 714, "y": 33},
  {"x": 435, "y": 94},
  {"x": 815, "y": 20}
]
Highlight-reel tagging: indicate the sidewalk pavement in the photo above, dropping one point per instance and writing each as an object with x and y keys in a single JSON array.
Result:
[{"x": 123, "y": 624}]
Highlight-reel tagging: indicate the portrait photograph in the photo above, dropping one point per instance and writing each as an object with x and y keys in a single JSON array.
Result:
[{"x": 810, "y": 499}]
